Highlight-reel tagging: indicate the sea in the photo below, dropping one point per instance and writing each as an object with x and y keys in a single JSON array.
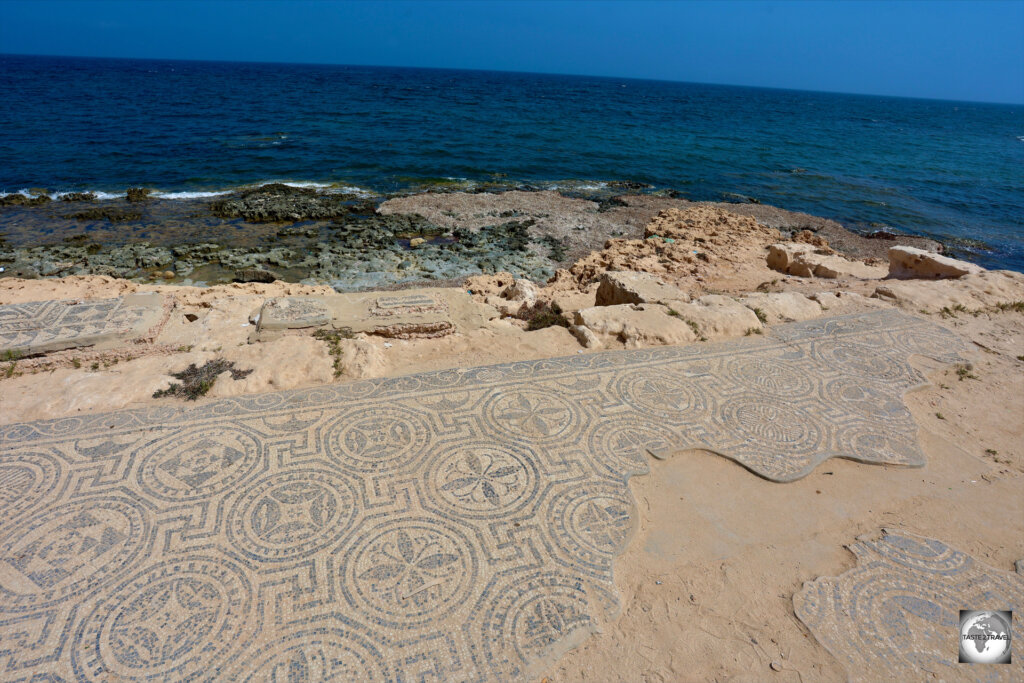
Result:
[{"x": 953, "y": 171}]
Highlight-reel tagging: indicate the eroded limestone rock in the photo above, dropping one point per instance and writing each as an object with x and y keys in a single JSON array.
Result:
[
  {"x": 782, "y": 307},
  {"x": 973, "y": 291},
  {"x": 807, "y": 260},
  {"x": 842, "y": 303},
  {"x": 717, "y": 317},
  {"x": 633, "y": 287},
  {"x": 912, "y": 263},
  {"x": 636, "y": 324}
]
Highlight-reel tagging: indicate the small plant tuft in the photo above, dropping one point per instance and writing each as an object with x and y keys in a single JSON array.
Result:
[
  {"x": 696, "y": 330},
  {"x": 9, "y": 372},
  {"x": 940, "y": 416},
  {"x": 753, "y": 330},
  {"x": 952, "y": 311},
  {"x": 542, "y": 315},
  {"x": 197, "y": 381},
  {"x": 964, "y": 372},
  {"x": 1011, "y": 307},
  {"x": 991, "y": 451},
  {"x": 333, "y": 339},
  {"x": 10, "y": 354},
  {"x": 762, "y": 318},
  {"x": 75, "y": 363}
]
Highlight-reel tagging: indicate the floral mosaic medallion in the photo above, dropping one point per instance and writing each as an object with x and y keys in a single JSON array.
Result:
[{"x": 898, "y": 612}]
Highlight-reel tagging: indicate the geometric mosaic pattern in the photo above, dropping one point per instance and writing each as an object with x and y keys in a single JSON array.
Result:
[
  {"x": 896, "y": 615},
  {"x": 454, "y": 525},
  {"x": 40, "y": 326}
]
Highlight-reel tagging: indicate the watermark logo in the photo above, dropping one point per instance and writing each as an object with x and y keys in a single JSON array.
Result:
[{"x": 985, "y": 637}]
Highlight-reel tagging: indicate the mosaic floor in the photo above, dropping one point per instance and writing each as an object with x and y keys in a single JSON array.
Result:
[
  {"x": 42, "y": 326},
  {"x": 896, "y": 615},
  {"x": 407, "y": 314},
  {"x": 456, "y": 525}
]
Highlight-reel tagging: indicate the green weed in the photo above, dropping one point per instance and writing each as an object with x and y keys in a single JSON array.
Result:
[
  {"x": 197, "y": 381},
  {"x": 333, "y": 339}
]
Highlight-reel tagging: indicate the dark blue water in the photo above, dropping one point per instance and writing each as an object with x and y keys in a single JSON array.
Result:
[{"x": 950, "y": 170}]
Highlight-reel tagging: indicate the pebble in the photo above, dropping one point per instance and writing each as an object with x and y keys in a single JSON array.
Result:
[{"x": 776, "y": 666}]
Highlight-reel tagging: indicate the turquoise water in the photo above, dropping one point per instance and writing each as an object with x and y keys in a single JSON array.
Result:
[{"x": 950, "y": 170}]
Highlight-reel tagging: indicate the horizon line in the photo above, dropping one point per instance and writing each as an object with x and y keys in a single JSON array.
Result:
[{"x": 503, "y": 71}]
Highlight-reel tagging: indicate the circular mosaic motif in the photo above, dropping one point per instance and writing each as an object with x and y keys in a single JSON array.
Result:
[
  {"x": 544, "y": 619},
  {"x": 532, "y": 414},
  {"x": 773, "y": 425},
  {"x": 198, "y": 463},
  {"x": 922, "y": 554},
  {"x": 534, "y": 615},
  {"x": 592, "y": 523},
  {"x": 871, "y": 445},
  {"x": 861, "y": 361},
  {"x": 663, "y": 393},
  {"x": 933, "y": 342},
  {"x": 409, "y": 572},
  {"x": 25, "y": 479},
  {"x": 377, "y": 438},
  {"x": 772, "y": 376},
  {"x": 483, "y": 480},
  {"x": 621, "y": 448},
  {"x": 170, "y": 622},
  {"x": 317, "y": 654},
  {"x": 864, "y": 399},
  {"x": 291, "y": 514},
  {"x": 68, "y": 551}
]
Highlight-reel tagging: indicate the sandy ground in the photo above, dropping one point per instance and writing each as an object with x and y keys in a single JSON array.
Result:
[
  {"x": 707, "y": 581},
  {"x": 213, "y": 322}
]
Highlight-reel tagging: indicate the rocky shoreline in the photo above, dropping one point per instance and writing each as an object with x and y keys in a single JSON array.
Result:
[{"x": 352, "y": 242}]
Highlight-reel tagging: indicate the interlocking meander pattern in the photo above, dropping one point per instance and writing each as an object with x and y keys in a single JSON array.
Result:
[
  {"x": 895, "y": 616},
  {"x": 454, "y": 525}
]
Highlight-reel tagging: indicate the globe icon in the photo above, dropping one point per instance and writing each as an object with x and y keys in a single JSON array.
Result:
[{"x": 985, "y": 637}]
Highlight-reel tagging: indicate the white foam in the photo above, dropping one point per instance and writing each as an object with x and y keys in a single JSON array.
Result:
[
  {"x": 331, "y": 188},
  {"x": 301, "y": 183},
  {"x": 58, "y": 195},
  {"x": 577, "y": 185},
  {"x": 352, "y": 189},
  {"x": 327, "y": 188},
  {"x": 189, "y": 195}
]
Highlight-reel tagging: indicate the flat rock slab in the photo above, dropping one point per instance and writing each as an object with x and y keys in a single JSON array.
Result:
[
  {"x": 897, "y": 613},
  {"x": 454, "y": 525},
  {"x": 41, "y": 326},
  {"x": 402, "y": 314}
]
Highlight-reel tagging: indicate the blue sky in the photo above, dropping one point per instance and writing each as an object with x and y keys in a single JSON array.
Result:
[{"x": 950, "y": 50}]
